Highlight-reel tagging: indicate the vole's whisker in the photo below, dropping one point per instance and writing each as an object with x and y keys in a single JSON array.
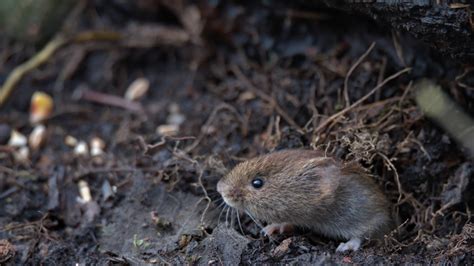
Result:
[
  {"x": 221, "y": 212},
  {"x": 219, "y": 200},
  {"x": 254, "y": 220},
  {"x": 259, "y": 225},
  {"x": 240, "y": 224},
  {"x": 221, "y": 205},
  {"x": 227, "y": 217}
]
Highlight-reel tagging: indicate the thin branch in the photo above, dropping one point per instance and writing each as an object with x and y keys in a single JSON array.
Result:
[
  {"x": 20, "y": 71},
  {"x": 108, "y": 100},
  {"x": 45, "y": 54}
]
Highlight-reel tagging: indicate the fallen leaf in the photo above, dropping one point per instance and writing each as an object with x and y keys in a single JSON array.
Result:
[
  {"x": 283, "y": 248},
  {"x": 41, "y": 107}
]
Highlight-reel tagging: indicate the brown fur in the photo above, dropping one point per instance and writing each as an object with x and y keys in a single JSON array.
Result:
[{"x": 306, "y": 189}]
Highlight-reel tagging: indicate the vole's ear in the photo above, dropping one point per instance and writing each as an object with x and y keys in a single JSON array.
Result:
[
  {"x": 353, "y": 168},
  {"x": 321, "y": 161}
]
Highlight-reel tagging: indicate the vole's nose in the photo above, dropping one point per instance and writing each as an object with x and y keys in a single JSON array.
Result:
[
  {"x": 222, "y": 187},
  {"x": 230, "y": 194},
  {"x": 227, "y": 191},
  {"x": 236, "y": 194}
]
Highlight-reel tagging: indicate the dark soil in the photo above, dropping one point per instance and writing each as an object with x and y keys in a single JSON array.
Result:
[{"x": 249, "y": 79}]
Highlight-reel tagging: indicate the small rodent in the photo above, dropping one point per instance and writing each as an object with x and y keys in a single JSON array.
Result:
[{"x": 306, "y": 189}]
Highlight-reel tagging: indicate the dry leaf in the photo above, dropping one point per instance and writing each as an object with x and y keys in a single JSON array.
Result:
[{"x": 41, "y": 107}]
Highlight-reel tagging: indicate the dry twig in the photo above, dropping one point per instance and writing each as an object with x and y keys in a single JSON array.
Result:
[
  {"x": 108, "y": 99},
  {"x": 40, "y": 58},
  {"x": 210, "y": 120},
  {"x": 361, "y": 100},
  {"x": 349, "y": 73}
]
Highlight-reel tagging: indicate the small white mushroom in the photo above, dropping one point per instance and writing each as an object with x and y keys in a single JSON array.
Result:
[
  {"x": 37, "y": 137},
  {"x": 137, "y": 89},
  {"x": 81, "y": 148},
  {"x": 167, "y": 130},
  {"x": 97, "y": 146},
  {"x": 70, "y": 141},
  {"x": 84, "y": 191}
]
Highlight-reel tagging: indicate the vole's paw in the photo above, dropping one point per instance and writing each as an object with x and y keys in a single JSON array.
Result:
[
  {"x": 352, "y": 244},
  {"x": 273, "y": 229}
]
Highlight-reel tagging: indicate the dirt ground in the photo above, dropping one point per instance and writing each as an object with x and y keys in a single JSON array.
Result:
[{"x": 232, "y": 81}]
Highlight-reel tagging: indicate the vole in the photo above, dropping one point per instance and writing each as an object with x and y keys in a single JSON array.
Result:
[{"x": 306, "y": 189}]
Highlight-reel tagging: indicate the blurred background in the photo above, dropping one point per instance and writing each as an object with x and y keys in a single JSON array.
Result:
[{"x": 117, "y": 119}]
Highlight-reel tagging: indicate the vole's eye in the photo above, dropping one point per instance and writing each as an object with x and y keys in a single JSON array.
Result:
[{"x": 257, "y": 183}]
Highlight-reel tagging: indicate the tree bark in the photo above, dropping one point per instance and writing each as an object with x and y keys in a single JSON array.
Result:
[{"x": 446, "y": 27}]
